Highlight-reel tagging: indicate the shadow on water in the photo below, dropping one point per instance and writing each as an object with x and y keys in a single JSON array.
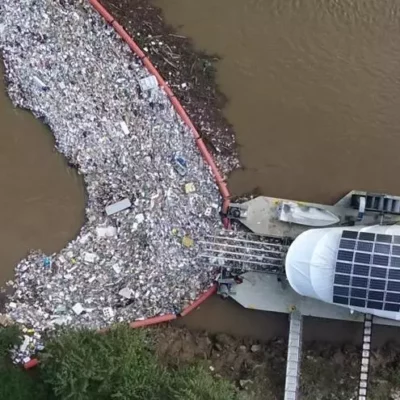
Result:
[{"x": 42, "y": 199}]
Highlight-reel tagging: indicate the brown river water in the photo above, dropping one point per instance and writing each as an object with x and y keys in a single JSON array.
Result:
[
  {"x": 314, "y": 97},
  {"x": 42, "y": 200},
  {"x": 313, "y": 89}
]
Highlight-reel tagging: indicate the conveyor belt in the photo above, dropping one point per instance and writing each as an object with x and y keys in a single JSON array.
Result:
[{"x": 242, "y": 252}]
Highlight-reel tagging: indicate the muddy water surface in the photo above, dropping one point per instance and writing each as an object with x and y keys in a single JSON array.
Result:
[
  {"x": 314, "y": 97},
  {"x": 218, "y": 315},
  {"x": 313, "y": 89},
  {"x": 42, "y": 200}
]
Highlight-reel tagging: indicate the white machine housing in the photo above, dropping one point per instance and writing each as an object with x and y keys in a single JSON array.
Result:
[{"x": 311, "y": 261}]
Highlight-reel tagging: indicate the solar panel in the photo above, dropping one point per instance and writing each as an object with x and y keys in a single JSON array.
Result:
[
  {"x": 375, "y": 295},
  {"x": 366, "y": 236},
  {"x": 367, "y": 272},
  {"x": 395, "y": 262}
]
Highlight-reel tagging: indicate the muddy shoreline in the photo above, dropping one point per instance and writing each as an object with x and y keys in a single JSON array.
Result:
[
  {"x": 258, "y": 367},
  {"x": 190, "y": 74}
]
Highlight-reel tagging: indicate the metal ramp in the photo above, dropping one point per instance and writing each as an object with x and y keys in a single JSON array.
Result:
[
  {"x": 294, "y": 356},
  {"x": 237, "y": 252},
  {"x": 365, "y": 357}
]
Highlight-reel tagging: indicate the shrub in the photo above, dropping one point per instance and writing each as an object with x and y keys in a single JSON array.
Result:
[
  {"x": 122, "y": 365},
  {"x": 196, "y": 383},
  {"x": 15, "y": 383},
  {"x": 9, "y": 336},
  {"x": 84, "y": 365}
]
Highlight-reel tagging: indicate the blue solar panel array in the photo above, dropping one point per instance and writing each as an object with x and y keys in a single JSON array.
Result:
[{"x": 367, "y": 271}]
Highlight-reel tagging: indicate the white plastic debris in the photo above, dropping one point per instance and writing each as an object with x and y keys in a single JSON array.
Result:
[
  {"x": 148, "y": 83},
  {"x": 106, "y": 231},
  {"x": 108, "y": 312},
  {"x": 255, "y": 348},
  {"x": 90, "y": 257},
  {"x": 117, "y": 207},
  {"x": 24, "y": 344},
  {"x": 78, "y": 309},
  {"x": 60, "y": 309},
  {"x": 124, "y": 127},
  {"x": 84, "y": 238},
  {"x": 208, "y": 211},
  {"x": 40, "y": 83},
  {"x": 63, "y": 320},
  {"x": 125, "y": 292},
  {"x": 139, "y": 218},
  {"x": 116, "y": 268}
]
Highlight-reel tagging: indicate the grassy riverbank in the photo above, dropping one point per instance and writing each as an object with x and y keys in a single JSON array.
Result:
[{"x": 168, "y": 363}]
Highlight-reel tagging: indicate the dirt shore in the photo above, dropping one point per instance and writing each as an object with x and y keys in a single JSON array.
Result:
[
  {"x": 190, "y": 74},
  {"x": 258, "y": 368}
]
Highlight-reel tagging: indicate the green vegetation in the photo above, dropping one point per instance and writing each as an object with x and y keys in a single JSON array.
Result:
[
  {"x": 120, "y": 364},
  {"x": 84, "y": 365},
  {"x": 15, "y": 383},
  {"x": 8, "y": 338},
  {"x": 196, "y": 383}
]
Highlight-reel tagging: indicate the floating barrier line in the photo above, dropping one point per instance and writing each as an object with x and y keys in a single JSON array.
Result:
[{"x": 199, "y": 142}]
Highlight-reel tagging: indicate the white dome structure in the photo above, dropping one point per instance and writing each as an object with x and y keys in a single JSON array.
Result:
[{"x": 311, "y": 264}]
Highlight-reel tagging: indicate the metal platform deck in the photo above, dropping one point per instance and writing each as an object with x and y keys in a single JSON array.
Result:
[
  {"x": 264, "y": 292},
  {"x": 261, "y": 216}
]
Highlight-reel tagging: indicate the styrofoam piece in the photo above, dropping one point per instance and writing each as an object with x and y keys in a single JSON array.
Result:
[
  {"x": 148, "y": 83},
  {"x": 90, "y": 257},
  {"x": 106, "y": 231},
  {"x": 117, "y": 207},
  {"x": 125, "y": 292},
  {"x": 84, "y": 238},
  {"x": 116, "y": 268},
  {"x": 139, "y": 218},
  {"x": 124, "y": 127},
  {"x": 78, "y": 309}
]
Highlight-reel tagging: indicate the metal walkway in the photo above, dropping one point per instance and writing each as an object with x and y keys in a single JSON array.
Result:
[
  {"x": 294, "y": 356},
  {"x": 238, "y": 252},
  {"x": 365, "y": 357}
]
